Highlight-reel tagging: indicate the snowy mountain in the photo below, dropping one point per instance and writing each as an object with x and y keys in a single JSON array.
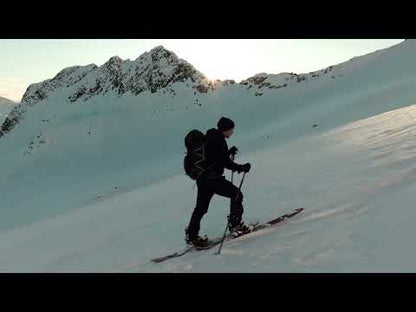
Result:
[
  {"x": 155, "y": 71},
  {"x": 92, "y": 176}
]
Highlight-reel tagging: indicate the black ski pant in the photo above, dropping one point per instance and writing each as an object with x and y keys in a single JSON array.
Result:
[{"x": 206, "y": 189}]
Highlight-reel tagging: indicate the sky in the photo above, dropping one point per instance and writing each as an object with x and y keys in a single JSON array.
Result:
[{"x": 26, "y": 61}]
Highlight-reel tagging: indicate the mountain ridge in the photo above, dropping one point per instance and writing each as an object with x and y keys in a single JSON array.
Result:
[{"x": 156, "y": 72}]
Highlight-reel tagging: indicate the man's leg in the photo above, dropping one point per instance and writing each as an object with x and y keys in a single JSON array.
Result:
[
  {"x": 202, "y": 203},
  {"x": 227, "y": 189}
]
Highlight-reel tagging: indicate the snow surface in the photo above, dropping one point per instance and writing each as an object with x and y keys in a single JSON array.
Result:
[
  {"x": 98, "y": 186},
  {"x": 6, "y": 106}
]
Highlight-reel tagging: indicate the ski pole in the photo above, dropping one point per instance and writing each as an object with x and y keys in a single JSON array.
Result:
[
  {"x": 228, "y": 222},
  {"x": 232, "y": 172}
]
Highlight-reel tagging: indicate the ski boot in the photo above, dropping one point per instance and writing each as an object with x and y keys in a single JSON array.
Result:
[
  {"x": 239, "y": 229},
  {"x": 196, "y": 242}
]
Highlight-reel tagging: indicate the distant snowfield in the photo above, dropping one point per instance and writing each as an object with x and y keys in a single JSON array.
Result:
[
  {"x": 4, "y": 111},
  {"x": 102, "y": 187}
]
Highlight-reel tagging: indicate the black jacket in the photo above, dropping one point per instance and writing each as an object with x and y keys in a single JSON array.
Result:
[{"x": 217, "y": 154}]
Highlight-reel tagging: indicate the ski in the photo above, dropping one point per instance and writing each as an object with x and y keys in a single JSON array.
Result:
[
  {"x": 174, "y": 255},
  {"x": 216, "y": 241},
  {"x": 277, "y": 220},
  {"x": 257, "y": 227},
  {"x": 211, "y": 243}
]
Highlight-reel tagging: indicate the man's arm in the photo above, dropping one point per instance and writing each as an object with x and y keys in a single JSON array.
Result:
[
  {"x": 228, "y": 163},
  {"x": 231, "y": 165},
  {"x": 218, "y": 154},
  {"x": 233, "y": 151}
]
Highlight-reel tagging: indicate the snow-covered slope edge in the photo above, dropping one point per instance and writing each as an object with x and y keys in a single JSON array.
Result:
[{"x": 6, "y": 106}]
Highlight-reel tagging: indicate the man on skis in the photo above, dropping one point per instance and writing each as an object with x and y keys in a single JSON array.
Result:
[{"x": 212, "y": 181}]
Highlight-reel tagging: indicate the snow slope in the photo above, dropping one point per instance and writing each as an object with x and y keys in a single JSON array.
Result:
[
  {"x": 6, "y": 106},
  {"x": 98, "y": 185}
]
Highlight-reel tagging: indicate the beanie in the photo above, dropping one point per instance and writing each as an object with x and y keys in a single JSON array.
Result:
[{"x": 225, "y": 124}]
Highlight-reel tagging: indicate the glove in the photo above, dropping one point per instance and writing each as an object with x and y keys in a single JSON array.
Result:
[
  {"x": 247, "y": 167},
  {"x": 233, "y": 150},
  {"x": 244, "y": 168}
]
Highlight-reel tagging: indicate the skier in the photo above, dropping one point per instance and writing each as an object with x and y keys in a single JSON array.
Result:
[{"x": 213, "y": 182}]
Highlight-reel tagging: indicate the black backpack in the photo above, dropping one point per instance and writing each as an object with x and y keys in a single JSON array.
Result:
[{"x": 195, "y": 162}]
